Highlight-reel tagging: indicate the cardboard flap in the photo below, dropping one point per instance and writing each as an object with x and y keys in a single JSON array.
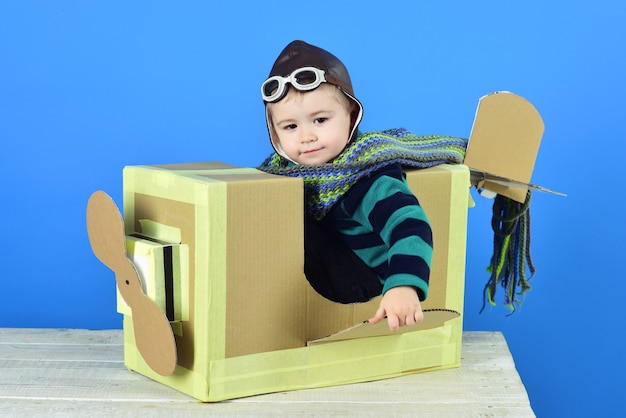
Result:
[
  {"x": 504, "y": 143},
  {"x": 433, "y": 318}
]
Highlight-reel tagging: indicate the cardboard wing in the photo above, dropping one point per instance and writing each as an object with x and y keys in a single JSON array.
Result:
[
  {"x": 433, "y": 318},
  {"x": 503, "y": 145},
  {"x": 482, "y": 178}
]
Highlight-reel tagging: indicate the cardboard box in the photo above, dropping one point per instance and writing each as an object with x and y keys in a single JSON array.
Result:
[{"x": 249, "y": 321}]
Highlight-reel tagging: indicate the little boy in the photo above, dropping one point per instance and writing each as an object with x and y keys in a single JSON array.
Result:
[{"x": 365, "y": 232}]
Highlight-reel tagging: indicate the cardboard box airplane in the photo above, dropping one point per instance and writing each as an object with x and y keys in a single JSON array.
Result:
[
  {"x": 213, "y": 235},
  {"x": 135, "y": 254}
]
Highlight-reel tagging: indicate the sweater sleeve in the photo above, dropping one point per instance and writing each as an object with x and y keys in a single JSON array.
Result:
[{"x": 391, "y": 233}]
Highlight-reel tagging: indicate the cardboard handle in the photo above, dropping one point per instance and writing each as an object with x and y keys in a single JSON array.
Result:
[{"x": 153, "y": 334}]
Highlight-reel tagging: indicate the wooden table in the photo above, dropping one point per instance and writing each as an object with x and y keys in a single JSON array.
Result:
[{"x": 73, "y": 372}]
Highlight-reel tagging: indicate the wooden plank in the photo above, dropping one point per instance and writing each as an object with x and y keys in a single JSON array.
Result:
[
  {"x": 168, "y": 409},
  {"x": 58, "y": 336},
  {"x": 80, "y": 372}
]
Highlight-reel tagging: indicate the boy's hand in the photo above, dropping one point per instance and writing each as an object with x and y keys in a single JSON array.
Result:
[{"x": 401, "y": 306}]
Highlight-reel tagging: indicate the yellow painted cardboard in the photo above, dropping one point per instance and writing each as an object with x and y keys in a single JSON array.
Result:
[{"x": 251, "y": 310}]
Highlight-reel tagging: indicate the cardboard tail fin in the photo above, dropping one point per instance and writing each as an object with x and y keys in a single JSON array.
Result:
[{"x": 503, "y": 145}]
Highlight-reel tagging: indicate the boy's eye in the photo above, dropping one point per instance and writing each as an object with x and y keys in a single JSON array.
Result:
[
  {"x": 290, "y": 126},
  {"x": 321, "y": 120}
]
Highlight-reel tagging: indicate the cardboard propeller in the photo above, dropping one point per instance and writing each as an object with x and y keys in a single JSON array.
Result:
[{"x": 153, "y": 333}]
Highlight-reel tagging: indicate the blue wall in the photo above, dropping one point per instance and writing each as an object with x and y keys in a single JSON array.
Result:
[{"x": 89, "y": 87}]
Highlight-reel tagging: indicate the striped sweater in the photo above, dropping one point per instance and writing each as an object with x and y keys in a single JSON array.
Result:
[{"x": 381, "y": 220}]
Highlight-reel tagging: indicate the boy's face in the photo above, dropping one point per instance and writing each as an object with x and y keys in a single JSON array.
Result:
[{"x": 313, "y": 127}]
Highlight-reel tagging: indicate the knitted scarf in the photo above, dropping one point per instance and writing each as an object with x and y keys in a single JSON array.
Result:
[{"x": 325, "y": 184}]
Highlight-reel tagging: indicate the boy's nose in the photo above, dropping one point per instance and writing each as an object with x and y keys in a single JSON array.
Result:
[{"x": 308, "y": 136}]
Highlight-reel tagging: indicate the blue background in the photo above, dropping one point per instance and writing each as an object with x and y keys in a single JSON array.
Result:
[{"x": 87, "y": 87}]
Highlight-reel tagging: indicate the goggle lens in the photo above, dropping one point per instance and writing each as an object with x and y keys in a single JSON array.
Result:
[
  {"x": 305, "y": 78},
  {"x": 270, "y": 87}
]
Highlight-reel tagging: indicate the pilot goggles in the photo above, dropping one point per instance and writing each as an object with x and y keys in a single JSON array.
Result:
[{"x": 302, "y": 79}]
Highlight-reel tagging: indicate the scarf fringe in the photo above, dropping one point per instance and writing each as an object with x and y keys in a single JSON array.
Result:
[{"x": 511, "y": 259}]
